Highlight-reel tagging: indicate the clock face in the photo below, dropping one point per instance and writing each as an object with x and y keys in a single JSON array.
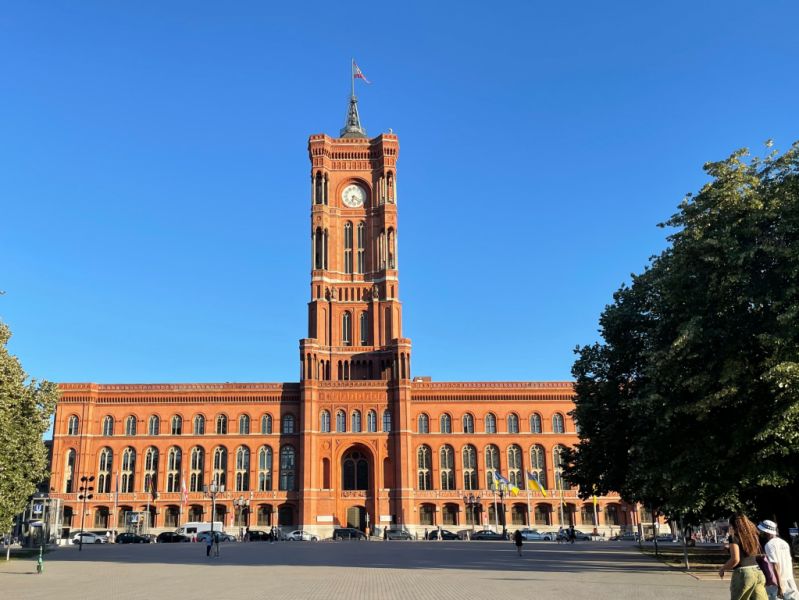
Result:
[{"x": 353, "y": 196}]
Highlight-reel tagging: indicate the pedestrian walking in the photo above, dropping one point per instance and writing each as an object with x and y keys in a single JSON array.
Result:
[
  {"x": 747, "y": 581},
  {"x": 778, "y": 553},
  {"x": 517, "y": 539},
  {"x": 572, "y": 535},
  {"x": 209, "y": 541},
  {"x": 560, "y": 535}
]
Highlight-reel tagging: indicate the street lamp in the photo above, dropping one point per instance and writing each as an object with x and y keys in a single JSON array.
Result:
[
  {"x": 85, "y": 494},
  {"x": 242, "y": 505},
  {"x": 502, "y": 503},
  {"x": 471, "y": 502},
  {"x": 213, "y": 490}
]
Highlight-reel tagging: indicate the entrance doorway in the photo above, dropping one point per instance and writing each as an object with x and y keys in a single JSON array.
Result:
[{"x": 356, "y": 517}]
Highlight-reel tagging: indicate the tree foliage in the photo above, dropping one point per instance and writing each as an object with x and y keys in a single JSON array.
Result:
[
  {"x": 691, "y": 402},
  {"x": 25, "y": 410}
]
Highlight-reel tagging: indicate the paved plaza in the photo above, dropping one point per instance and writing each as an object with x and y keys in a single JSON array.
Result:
[{"x": 327, "y": 570}]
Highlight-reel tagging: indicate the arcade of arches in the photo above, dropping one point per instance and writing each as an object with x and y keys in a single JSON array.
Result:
[{"x": 359, "y": 440}]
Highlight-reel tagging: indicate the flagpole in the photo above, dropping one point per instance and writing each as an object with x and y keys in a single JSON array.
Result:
[
  {"x": 116, "y": 500},
  {"x": 527, "y": 487},
  {"x": 496, "y": 511},
  {"x": 352, "y": 76}
]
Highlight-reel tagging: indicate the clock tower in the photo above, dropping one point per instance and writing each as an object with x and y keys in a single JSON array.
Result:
[{"x": 355, "y": 377}]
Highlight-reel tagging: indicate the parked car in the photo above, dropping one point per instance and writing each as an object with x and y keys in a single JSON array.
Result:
[
  {"x": 396, "y": 533},
  {"x": 445, "y": 535},
  {"x": 533, "y": 535},
  {"x": 487, "y": 534},
  {"x": 256, "y": 535},
  {"x": 170, "y": 537},
  {"x": 89, "y": 538},
  {"x": 624, "y": 537},
  {"x": 219, "y": 536},
  {"x": 578, "y": 536},
  {"x": 132, "y": 538},
  {"x": 301, "y": 536},
  {"x": 348, "y": 533}
]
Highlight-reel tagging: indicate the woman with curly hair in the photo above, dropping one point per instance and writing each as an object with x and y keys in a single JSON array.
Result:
[{"x": 748, "y": 581}]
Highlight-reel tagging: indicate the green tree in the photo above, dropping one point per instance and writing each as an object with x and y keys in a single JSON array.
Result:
[
  {"x": 691, "y": 402},
  {"x": 25, "y": 410}
]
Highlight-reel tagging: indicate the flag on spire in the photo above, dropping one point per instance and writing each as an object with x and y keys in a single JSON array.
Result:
[{"x": 357, "y": 73}]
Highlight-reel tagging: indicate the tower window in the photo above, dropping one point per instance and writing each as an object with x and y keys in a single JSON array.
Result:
[
  {"x": 513, "y": 423},
  {"x": 346, "y": 329},
  {"x": 361, "y": 248},
  {"x": 341, "y": 422},
  {"x": 356, "y": 421},
  {"x": 468, "y": 423},
  {"x": 348, "y": 247},
  {"x": 423, "y": 424},
  {"x": 108, "y": 426},
  {"x": 177, "y": 425},
  {"x": 491, "y": 423},
  {"x": 363, "y": 325},
  {"x": 130, "y": 425},
  {"x": 324, "y": 422},
  {"x": 199, "y": 425},
  {"x": 535, "y": 423},
  {"x": 154, "y": 425},
  {"x": 371, "y": 421},
  {"x": 72, "y": 425},
  {"x": 386, "y": 421},
  {"x": 446, "y": 423}
]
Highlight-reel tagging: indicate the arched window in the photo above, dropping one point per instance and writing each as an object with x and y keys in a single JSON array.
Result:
[
  {"x": 108, "y": 426},
  {"x": 423, "y": 425},
  {"x": 177, "y": 425},
  {"x": 266, "y": 424},
  {"x": 265, "y": 469},
  {"x": 470, "y": 468},
  {"x": 355, "y": 471},
  {"x": 491, "y": 423},
  {"x": 363, "y": 326},
  {"x": 104, "y": 470},
  {"x": 356, "y": 421},
  {"x": 130, "y": 425},
  {"x": 371, "y": 421},
  {"x": 128, "y": 471},
  {"x": 538, "y": 464},
  {"x": 468, "y": 423},
  {"x": 535, "y": 423},
  {"x": 243, "y": 469},
  {"x": 557, "y": 467},
  {"x": 557, "y": 423},
  {"x": 492, "y": 465},
  {"x": 324, "y": 421},
  {"x": 423, "y": 467},
  {"x": 69, "y": 471},
  {"x": 341, "y": 422},
  {"x": 513, "y": 423},
  {"x": 361, "y": 247},
  {"x": 221, "y": 424},
  {"x": 288, "y": 468},
  {"x": 197, "y": 468},
  {"x": 220, "y": 466},
  {"x": 174, "y": 459},
  {"x": 319, "y": 194},
  {"x": 154, "y": 425},
  {"x": 348, "y": 247},
  {"x": 244, "y": 425},
  {"x": 447, "y": 468},
  {"x": 150, "y": 470},
  {"x": 346, "y": 329},
  {"x": 386, "y": 421},
  {"x": 199, "y": 425},
  {"x": 445, "y": 423},
  {"x": 72, "y": 425},
  {"x": 515, "y": 472},
  {"x": 288, "y": 424}
]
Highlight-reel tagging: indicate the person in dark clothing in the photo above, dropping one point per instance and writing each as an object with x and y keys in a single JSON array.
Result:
[
  {"x": 517, "y": 539},
  {"x": 208, "y": 543},
  {"x": 572, "y": 535}
]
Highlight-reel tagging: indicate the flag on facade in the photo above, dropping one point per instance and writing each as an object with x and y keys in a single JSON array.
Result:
[
  {"x": 534, "y": 483},
  {"x": 184, "y": 491},
  {"x": 357, "y": 73}
]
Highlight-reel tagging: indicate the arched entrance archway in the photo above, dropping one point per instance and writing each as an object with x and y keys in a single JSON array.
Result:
[{"x": 356, "y": 517}]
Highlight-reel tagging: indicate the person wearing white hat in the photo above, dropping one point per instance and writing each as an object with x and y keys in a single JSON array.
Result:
[{"x": 778, "y": 552}]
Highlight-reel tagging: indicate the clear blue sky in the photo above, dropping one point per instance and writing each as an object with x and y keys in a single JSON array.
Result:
[{"x": 154, "y": 177}]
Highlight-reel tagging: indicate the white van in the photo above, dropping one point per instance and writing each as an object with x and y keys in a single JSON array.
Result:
[{"x": 192, "y": 528}]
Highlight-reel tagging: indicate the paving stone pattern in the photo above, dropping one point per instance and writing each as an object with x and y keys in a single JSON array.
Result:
[{"x": 352, "y": 570}]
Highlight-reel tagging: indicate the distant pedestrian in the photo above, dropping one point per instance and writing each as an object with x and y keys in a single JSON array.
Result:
[
  {"x": 209, "y": 541},
  {"x": 778, "y": 553},
  {"x": 517, "y": 539},
  {"x": 560, "y": 535},
  {"x": 748, "y": 581},
  {"x": 572, "y": 535}
]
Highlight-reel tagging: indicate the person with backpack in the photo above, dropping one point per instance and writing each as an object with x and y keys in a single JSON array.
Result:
[{"x": 517, "y": 539}]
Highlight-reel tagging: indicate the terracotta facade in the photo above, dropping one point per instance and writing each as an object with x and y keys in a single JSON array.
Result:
[{"x": 358, "y": 440}]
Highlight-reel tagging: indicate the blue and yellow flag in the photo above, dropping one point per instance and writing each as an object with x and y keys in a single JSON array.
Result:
[{"x": 535, "y": 484}]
